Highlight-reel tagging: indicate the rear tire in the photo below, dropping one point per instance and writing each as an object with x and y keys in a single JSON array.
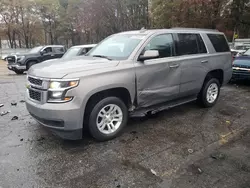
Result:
[
  {"x": 19, "y": 72},
  {"x": 107, "y": 118},
  {"x": 209, "y": 93}
]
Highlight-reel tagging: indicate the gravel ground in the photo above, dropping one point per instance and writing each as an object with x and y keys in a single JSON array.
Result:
[{"x": 187, "y": 146}]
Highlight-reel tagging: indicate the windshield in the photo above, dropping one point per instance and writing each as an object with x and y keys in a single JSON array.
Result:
[
  {"x": 247, "y": 53},
  {"x": 36, "y": 49},
  {"x": 72, "y": 52},
  {"x": 117, "y": 47}
]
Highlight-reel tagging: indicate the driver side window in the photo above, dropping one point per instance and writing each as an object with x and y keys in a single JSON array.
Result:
[
  {"x": 163, "y": 43},
  {"x": 47, "y": 50}
]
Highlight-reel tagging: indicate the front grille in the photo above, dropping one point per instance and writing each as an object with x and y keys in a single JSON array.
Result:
[
  {"x": 35, "y": 81},
  {"x": 35, "y": 95},
  {"x": 11, "y": 59}
]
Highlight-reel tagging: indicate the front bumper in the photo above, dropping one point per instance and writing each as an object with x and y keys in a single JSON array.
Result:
[
  {"x": 65, "y": 120},
  {"x": 16, "y": 67}
]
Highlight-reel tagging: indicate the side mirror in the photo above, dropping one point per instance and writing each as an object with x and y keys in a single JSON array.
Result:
[
  {"x": 42, "y": 53},
  {"x": 149, "y": 54}
]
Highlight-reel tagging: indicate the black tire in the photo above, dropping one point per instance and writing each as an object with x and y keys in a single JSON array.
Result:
[
  {"x": 19, "y": 72},
  {"x": 202, "y": 98},
  {"x": 92, "y": 125},
  {"x": 30, "y": 64}
]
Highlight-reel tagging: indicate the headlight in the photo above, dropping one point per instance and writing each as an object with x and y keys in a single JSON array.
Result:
[
  {"x": 58, "y": 90},
  {"x": 55, "y": 85},
  {"x": 20, "y": 58}
]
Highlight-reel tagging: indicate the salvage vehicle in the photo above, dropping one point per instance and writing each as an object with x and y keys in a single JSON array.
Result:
[
  {"x": 22, "y": 62},
  {"x": 241, "y": 67},
  {"x": 132, "y": 73}
]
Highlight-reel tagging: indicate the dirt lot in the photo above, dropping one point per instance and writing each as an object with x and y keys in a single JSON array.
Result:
[{"x": 185, "y": 147}]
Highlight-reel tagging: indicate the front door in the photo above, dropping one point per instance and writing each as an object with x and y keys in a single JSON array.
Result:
[
  {"x": 158, "y": 80},
  {"x": 47, "y": 54}
]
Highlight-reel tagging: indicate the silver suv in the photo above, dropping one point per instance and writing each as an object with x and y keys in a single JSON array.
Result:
[{"x": 131, "y": 73}]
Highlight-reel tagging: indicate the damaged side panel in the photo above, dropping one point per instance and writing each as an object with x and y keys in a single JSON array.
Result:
[{"x": 157, "y": 82}]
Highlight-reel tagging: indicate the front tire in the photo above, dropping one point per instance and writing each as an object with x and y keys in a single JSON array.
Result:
[
  {"x": 209, "y": 93},
  {"x": 107, "y": 119}
]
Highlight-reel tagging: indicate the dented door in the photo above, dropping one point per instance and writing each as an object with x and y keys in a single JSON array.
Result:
[{"x": 158, "y": 80}]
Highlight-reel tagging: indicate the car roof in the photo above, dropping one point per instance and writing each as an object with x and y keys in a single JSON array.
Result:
[
  {"x": 84, "y": 46},
  {"x": 53, "y": 46},
  {"x": 172, "y": 30}
]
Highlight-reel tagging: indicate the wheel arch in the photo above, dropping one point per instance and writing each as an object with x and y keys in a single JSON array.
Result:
[{"x": 217, "y": 73}]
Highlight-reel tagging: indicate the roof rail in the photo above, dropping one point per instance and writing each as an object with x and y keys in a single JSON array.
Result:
[{"x": 201, "y": 29}]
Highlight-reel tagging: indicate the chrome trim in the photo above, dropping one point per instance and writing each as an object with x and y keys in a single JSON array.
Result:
[
  {"x": 65, "y": 80},
  {"x": 58, "y": 102},
  {"x": 65, "y": 88},
  {"x": 44, "y": 88},
  {"x": 15, "y": 58},
  {"x": 43, "y": 96},
  {"x": 18, "y": 67},
  {"x": 45, "y": 83}
]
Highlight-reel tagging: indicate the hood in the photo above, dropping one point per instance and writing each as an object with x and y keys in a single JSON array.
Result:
[
  {"x": 242, "y": 61},
  {"x": 24, "y": 54},
  {"x": 59, "y": 68}
]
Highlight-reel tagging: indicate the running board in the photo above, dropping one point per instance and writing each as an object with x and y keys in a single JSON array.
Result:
[{"x": 160, "y": 107}]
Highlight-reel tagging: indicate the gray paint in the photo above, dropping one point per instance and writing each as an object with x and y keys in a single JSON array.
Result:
[{"x": 150, "y": 82}]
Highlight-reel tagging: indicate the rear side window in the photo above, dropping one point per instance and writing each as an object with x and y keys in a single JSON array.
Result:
[
  {"x": 188, "y": 44},
  {"x": 219, "y": 42},
  {"x": 58, "y": 49}
]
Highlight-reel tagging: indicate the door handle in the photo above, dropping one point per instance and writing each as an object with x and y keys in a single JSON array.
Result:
[
  {"x": 52, "y": 55},
  {"x": 174, "y": 66},
  {"x": 205, "y": 61}
]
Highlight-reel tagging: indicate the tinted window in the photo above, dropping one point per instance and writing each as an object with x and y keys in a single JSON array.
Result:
[
  {"x": 164, "y": 44},
  {"x": 201, "y": 44},
  {"x": 219, "y": 42},
  {"x": 187, "y": 44},
  {"x": 47, "y": 50},
  {"x": 58, "y": 49}
]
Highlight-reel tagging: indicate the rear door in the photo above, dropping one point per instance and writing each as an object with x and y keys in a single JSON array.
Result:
[
  {"x": 194, "y": 59},
  {"x": 158, "y": 80}
]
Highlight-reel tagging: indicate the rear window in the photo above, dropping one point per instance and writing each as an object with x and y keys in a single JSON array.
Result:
[
  {"x": 219, "y": 42},
  {"x": 188, "y": 44}
]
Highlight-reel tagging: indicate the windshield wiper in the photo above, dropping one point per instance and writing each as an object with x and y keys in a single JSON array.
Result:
[{"x": 102, "y": 56}]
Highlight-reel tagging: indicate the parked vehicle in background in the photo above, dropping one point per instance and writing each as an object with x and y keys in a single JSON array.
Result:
[
  {"x": 131, "y": 73},
  {"x": 22, "y": 62},
  {"x": 78, "y": 50},
  {"x": 241, "y": 66}
]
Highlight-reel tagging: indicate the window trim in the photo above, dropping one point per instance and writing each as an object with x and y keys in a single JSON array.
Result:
[
  {"x": 204, "y": 44},
  {"x": 202, "y": 37},
  {"x": 149, "y": 40}
]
